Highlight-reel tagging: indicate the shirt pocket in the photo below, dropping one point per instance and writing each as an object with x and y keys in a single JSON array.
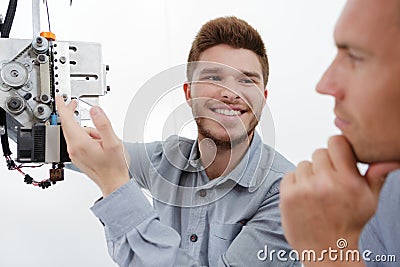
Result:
[{"x": 221, "y": 237}]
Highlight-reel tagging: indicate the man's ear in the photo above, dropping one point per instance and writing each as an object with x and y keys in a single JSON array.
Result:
[
  {"x": 188, "y": 95},
  {"x": 265, "y": 93}
]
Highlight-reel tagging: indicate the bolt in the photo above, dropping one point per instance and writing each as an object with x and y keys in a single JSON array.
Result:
[
  {"x": 42, "y": 58},
  {"x": 14, "y": 103},
  {"x": 14, "y": 73},
  {"x": 44, "y": 98},
  {"x": 63, "y": 60},
  {"x": 40, "y": 110},
  {"x": 39, "y": 41}
]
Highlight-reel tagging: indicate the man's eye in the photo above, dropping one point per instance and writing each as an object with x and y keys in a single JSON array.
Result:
[
  {"x": 213, "y": 78},
  {"x": 250, "y": 81},
  {"x": 354, "y": 57}
]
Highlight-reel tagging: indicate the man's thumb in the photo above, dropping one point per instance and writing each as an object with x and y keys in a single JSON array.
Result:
[{"x": 377, "y": 172}]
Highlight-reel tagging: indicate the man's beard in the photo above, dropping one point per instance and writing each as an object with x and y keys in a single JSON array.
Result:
[{"x": 223, "y": 143}]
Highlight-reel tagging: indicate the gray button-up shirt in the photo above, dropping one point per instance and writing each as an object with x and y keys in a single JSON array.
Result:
[
  {"x": 379, "y": 241},
  {"x": 194, "y": 221}
]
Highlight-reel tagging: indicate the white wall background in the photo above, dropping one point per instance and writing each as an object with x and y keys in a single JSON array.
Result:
[{"x": 55, "y": 227}]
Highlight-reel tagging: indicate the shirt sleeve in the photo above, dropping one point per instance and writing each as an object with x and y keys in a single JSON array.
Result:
[
  {"x": 134, "y": 234},
  {"x": 140, "y": 160}
]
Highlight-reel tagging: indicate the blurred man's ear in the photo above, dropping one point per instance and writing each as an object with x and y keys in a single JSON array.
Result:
[
  {"x": 188, "y": 96},
  {"x": 265, "y": 97},
  {"x": 265, "y": 93}
]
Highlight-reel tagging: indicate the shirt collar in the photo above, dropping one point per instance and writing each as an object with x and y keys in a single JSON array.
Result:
[
  {"x": 244, "y": 173},
  {"x": 194, "y": 162},
  {"x": 249, "y": 172}
]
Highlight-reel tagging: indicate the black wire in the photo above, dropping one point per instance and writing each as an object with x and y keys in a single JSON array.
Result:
[
  {"x": 5, "y": 33},
  {"x": 4, "y": 138},
  {"x": 48, "y": 15},
  {"x": 8, "y": 21}
]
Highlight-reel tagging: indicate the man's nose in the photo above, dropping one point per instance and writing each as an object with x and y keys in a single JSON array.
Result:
[
  {"x": 228, "y": 90},
  {"x": 332, "y": 81}
]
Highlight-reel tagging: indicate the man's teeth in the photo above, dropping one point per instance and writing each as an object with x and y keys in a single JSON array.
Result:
[{"x": 227, "y": 112}]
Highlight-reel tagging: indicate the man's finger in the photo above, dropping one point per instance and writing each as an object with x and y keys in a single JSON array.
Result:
[
  {"x": 69, "y": 125},
  {"x": 287, "y": 182},
  {"x": 321, "y": 161},
  {"x": 103, "y": 126},
  {"x": 72, "y": 105},
  {"x": 92, "y": 132},
  {"x": 304, "y": 170},
  {"x": 341, "y": 153}
]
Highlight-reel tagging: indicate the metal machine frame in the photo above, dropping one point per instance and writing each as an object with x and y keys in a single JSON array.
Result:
[{"x": 32, "y": 73}]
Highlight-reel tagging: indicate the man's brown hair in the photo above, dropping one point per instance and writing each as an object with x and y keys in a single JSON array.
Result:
[{"x": 234, "y": 32}]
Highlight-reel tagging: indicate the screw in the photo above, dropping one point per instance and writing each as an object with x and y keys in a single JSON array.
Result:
[
  {"x": 14, "y": 73},
  {"x": 63, "y": 60},
  {"x": 14, "y": 104},
  {"x": 44, "y": 98},
  {"x": 42, "y": 58},
  {"x": 40, "y": 110},
  {"x": 39, "y": 41}
]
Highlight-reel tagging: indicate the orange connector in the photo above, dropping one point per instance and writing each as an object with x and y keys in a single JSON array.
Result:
[{"x": 48, "y": 35}]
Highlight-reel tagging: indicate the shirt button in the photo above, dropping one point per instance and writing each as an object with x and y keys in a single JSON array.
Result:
[
  {"x": 203, "y": 193},
  {"x": 193, "y": 163},
  {"x": 193, "y": 238}
]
